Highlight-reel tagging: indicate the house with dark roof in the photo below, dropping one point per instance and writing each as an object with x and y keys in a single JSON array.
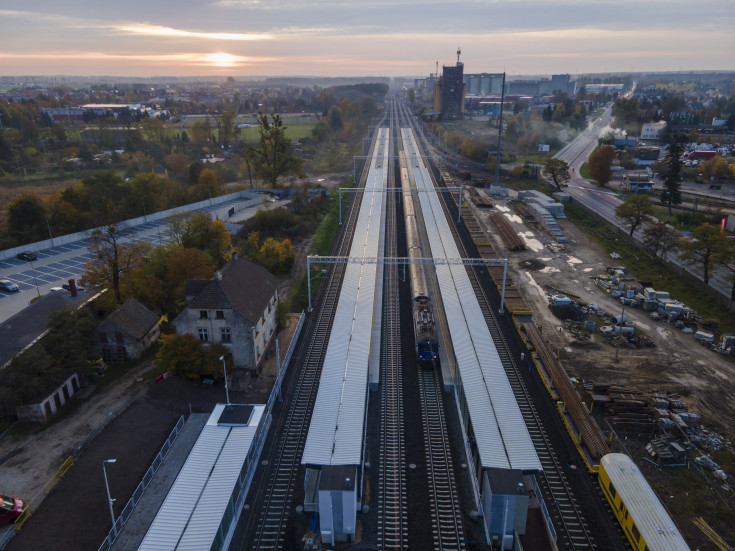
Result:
[
  {"x": 127, "y": 332},
  {"x": 236, "y": 309}
]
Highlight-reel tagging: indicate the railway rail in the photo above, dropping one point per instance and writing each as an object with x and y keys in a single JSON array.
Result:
[
  {"x": 392, "y": 491},
  {"x": 589, "y": 433},
  {"x": 510, "y": 237}
]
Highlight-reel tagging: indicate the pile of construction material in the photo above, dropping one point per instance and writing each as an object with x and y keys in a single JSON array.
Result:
[
  {"x": 667, "y": 451},
  {"x": 672, "y": 413},
  {"x": 629, "y": 411},
  {"x": 510, "y": 237},
  {"x": 544, "y": 209},
  {"x": 478, "y": 199}
]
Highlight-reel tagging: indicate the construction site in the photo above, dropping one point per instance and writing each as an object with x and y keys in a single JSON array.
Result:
[{"x": 617, "y": 352}]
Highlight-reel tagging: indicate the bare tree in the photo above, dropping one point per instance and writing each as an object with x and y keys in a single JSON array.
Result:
[
  {"x": 660, "y": 238},
  {"x": 110, "y": 258}
]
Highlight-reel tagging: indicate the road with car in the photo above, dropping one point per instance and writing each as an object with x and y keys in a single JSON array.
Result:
[
  {"x": 603, "y": 202},
  {"x": 45, "y": 271}
]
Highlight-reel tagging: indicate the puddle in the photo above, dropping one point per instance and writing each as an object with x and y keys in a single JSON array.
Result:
[
  {"x": 573, "y": 260},
  {"x": 545, "y": 259},
  {"x": 588, "y": 269},
  {"x": 550, "y": 270},
  {"x": 663, "y": 332},
  {"x": 531, "y": 242},
  {"x": 643, "y": 326},
  {"x": 513, "y": 218},
  {"x": 501, "y": 208}
]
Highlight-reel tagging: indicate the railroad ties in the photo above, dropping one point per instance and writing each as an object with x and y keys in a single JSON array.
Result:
[
  {"x": 572, "y": 530},
  {"x": 392, "y": 492},
  {"x": 514, "y": 301}
]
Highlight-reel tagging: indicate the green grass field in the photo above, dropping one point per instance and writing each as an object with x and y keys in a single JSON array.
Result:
[{"x": 297, "y": 126}]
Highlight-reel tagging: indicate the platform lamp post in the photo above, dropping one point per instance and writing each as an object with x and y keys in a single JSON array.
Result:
[
  {"x": 109, "y": 499},
  {"x": 224, "y": 368}
]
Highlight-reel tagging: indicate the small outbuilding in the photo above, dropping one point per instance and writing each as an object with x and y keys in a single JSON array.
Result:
[{"x": 127, "y": 332}]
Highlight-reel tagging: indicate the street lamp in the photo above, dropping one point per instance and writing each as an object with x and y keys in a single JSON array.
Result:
[
  {"x": 109, "y": 499},
  {"x": 224, "y": 368}
]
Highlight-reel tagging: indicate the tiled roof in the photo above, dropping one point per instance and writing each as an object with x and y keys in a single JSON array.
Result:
[
  {"x": 242, "y": 285},
  {"x": 134, "y": 318}
]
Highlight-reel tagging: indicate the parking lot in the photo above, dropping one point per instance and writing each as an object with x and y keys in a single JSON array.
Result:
[{"x": 55, "y": 266}]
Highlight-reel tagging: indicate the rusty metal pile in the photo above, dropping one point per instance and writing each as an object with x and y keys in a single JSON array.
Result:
[
  {"x": 510, "y": 237},
  {"x": 589, "y": 433}
]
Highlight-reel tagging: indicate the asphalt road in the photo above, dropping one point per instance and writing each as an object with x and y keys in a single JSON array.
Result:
[
  {"x": 604, "y": 202},
  {"x": 57, "y": 265}
]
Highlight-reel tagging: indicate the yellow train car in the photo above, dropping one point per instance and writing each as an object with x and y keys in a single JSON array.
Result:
[{"x": 644, "y": 519}]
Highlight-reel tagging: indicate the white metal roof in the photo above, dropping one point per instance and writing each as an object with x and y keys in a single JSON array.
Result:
[
  {"x": 649, "y": 515},
  {"x": 192, "y": 511},
  {"x": 336, "y": 430},
  {"x": 501, "y": 434}
]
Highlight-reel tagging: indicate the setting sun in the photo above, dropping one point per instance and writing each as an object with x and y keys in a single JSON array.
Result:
[{"x": 222, "y": 60}]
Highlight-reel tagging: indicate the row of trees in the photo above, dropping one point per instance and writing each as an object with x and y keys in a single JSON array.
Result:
[
  {"x": 104, "y": 198},
  {"x": 705, "y": 248}
]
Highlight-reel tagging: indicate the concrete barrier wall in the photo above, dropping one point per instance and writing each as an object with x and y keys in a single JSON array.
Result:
[{"x": 78, "y": 236}]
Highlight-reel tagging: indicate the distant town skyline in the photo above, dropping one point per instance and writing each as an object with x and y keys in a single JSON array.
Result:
[{"x": 243, "y": 38}]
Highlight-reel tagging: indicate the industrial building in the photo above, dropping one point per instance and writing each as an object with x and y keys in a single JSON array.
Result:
[{"x": 449, "y": 91}]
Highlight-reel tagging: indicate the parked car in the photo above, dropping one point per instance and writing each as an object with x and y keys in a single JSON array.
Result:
[
  {"x": 10, "y": 509},
  {"x": 8, "y": 286},
  {"x": 26, "y": 256}
]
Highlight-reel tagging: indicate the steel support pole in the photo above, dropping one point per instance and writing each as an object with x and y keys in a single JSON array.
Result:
[
  {"x": 459, "y": 211},
  {"x": 109, "y": 499},
  {"x": 339, "y": 192},
  {"x": 278, "y": 371},
  {"x": 308, "y": 280},
  {"x": 502, "y": 295}
]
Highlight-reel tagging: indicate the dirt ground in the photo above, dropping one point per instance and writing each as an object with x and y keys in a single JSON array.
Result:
[
  {"x": 133, "y": 417},
  {"x": 677, "y": 363}
]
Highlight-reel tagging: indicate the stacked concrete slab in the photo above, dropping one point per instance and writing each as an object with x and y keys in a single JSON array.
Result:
[{"x": 547, "y": 220}]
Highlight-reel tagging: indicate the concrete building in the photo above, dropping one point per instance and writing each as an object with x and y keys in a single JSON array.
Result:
[
  {"x": 483, "y": 84},
  {"x": 42, "y": 410},
  {"x": 449, "y": 91},
  {"x": 64, "y": 114},
  {"x": 127, "y": 332},
  {"x": 653, "y": 131},
  {"x": 236, "y": 309}
]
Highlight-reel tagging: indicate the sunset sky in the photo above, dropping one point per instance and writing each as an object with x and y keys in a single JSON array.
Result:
[{"x": 371, "y": 37}]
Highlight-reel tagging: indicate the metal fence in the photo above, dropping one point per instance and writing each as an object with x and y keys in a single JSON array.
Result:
[
  {"x": 276, "y": 392},
  {"x": 123, "y": 518},
  {"x": 545, "y": 512}
]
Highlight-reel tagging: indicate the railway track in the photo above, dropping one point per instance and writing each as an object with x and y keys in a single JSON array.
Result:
[
  {"x": 446, "y": 509},
  {"x": 444, "y": 503},
  {"x": 573, "y": 532},
  {"x": 392, "y": 492},
  {"x": 266, "y": 528}
]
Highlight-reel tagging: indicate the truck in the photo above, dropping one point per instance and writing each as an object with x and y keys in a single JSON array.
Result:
[{"x": 702, "y": 155}]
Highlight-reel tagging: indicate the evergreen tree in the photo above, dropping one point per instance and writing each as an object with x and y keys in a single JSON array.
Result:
[{"x": 671, "y": 194}]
